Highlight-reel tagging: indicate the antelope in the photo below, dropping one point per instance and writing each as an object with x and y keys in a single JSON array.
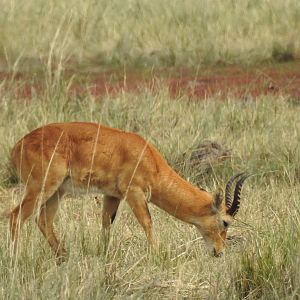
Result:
[{"x": 56, "y": 158}]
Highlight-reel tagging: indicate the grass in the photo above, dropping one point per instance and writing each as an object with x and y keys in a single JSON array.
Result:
[
  {"x": 262, "y": 263},
  {"x": 94, "y": 35},
  {"x": 47, "y": 38}
]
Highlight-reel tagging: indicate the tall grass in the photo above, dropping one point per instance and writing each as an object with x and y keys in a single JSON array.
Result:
[
  {"x": 271, "y": 269},
  {"x": 262, "y": 262},
  {"x": 97, "y": 34}
]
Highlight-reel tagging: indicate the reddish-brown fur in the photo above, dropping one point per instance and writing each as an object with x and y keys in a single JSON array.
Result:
[{"x": 57, "y": 157}]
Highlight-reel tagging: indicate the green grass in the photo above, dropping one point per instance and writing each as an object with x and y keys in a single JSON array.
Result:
[
  {"x": 93, "y": 35},
  {"x": 263, "y": 263}
]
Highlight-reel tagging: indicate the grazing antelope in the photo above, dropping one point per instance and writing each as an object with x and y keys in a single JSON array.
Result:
[{"x": 57, "y": 158}]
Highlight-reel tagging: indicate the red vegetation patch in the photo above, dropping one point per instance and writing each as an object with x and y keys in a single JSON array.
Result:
[
  {"x": 22, "y": 89},
  {"x": 239, "y": 84},
  {"x": 280, "y": 79},
  {"x": 224, "y": 82}
]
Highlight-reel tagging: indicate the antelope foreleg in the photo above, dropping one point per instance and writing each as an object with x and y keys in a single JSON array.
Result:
[{"x": 137, "y": 201}]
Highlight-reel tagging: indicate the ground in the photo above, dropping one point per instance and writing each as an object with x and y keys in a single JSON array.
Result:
[
  {"x": 261, "y": 136},
  {"x": 221, "y": 81}
]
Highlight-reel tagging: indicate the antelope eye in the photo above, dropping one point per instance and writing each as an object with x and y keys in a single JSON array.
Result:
[{"x": 225, "y": 224}]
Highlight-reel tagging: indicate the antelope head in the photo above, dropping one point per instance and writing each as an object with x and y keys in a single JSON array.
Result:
[{"x": 214, "y": 226}]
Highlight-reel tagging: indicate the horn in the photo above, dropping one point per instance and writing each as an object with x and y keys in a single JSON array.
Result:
[
  {"x": 228, "y": 196},
  {"x": 237, "y": 194}
]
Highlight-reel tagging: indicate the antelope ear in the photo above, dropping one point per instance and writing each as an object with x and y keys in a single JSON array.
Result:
[{"x": 218, "y": 198}]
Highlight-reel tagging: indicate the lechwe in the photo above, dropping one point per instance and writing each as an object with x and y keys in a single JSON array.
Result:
[{"x": 58, "y": 157}]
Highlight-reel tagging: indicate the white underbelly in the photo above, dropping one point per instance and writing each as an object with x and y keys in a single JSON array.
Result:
[{"x": 70, "y": 187}]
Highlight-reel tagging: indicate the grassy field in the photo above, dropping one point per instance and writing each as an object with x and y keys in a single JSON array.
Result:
[
  {"x": 45, "y": 39},
  {"x": 92, "y": 35},
  {"x": 263, "y": 261}
]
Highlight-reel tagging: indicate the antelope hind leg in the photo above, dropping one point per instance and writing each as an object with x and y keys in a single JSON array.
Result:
[{"x": 45, "y": 224}]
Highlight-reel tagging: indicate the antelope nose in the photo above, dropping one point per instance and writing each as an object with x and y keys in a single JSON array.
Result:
[{"x": 218, "y": 254}]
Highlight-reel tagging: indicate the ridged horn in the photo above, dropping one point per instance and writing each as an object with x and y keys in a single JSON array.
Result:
[
  {"x": 237, "y": 196},
  {"x": 228, "y": 196}
]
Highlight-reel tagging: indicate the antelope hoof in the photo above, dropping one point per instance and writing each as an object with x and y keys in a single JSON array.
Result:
[{"x": 61, "y": 257}]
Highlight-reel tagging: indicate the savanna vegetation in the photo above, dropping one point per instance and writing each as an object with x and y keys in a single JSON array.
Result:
[
  {"x": 43, "y": 39},
  {"x": 138, "y": 34}
]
